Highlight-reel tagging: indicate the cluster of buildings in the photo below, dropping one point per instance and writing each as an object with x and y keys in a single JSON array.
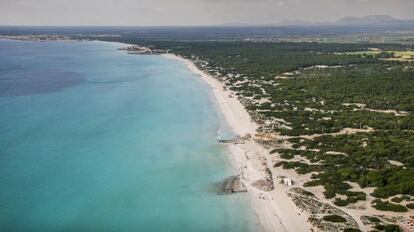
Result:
[{"x": 143, "y": 50}]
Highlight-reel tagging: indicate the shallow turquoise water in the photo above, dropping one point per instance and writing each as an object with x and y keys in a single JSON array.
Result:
[{"x": 94, "y": 139}]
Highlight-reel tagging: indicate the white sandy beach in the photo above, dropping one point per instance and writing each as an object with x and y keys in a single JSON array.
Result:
[{"x": 275, "y": 210}]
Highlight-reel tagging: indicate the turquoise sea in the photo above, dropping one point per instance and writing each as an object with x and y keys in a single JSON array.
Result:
[{"x": 94, "y": 139}]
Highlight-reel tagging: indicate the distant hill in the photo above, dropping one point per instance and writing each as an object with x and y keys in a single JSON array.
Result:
[
  {"x": 295, "y": 23},
  {"x": 374, "y": 20}
]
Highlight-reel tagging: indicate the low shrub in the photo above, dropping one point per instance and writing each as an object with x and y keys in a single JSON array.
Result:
[
  {"x": 340, "y": 202},
  {"x": 387, "y": 206},
  {"x": 400, "y": 199},
  {"x": 351, "y": 230},
  {"x": 334, "y": 218},
  {"x": 373, "y": 219},
  {"x": 392, "y": 228}
]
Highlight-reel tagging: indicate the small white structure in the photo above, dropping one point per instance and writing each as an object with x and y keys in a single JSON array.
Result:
[{"x": 287, "y": 181}]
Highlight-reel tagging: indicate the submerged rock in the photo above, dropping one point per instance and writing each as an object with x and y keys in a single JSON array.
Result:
[
  {"x": 230, "y": 185},
  {"x": 233, "y": 184}
]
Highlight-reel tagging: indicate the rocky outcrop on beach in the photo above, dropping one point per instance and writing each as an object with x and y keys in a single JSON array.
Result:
[
  {"x": 267, "y": 183},
  {"x": 233, "y": 184},
  {"x": 264, "y": 185}
]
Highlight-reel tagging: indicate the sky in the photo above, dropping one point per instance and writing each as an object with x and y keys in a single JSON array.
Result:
[{"x": 190, "y": 12}]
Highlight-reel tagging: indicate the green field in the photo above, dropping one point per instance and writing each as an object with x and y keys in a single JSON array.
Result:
[{"x": 385, "y": 55}]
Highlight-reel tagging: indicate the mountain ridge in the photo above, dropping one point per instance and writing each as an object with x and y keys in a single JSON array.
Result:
[{"x": 380, "y": 20}]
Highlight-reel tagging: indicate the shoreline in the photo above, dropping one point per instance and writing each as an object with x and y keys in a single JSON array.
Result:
[{"x": 274, "y": 209}]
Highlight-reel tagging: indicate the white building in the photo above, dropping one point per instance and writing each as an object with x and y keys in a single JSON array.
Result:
[{"x": 287, "y": 181}]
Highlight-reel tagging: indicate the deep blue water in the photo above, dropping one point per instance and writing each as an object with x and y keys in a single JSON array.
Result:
[{"x": 94, "y": 139}]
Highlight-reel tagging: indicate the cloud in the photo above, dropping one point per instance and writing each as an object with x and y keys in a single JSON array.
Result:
[
  {"x": 280, "y": 3},
  {"x": 191, "y": 12}
]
